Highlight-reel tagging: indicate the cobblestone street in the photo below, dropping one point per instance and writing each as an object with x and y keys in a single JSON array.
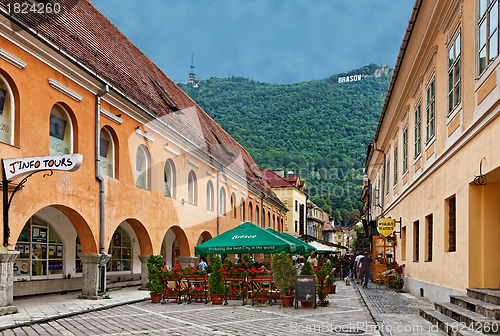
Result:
[
  {"x": 346, "y": 315},
  {"x": 397, "y": 313}
]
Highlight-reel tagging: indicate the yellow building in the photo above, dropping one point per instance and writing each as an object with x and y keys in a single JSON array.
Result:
[
  {"x": 435, "y": 159},
  {"x": 159, "y": 176},
  {"x": 291, "y": 191},
  {"x": 314, "y": 220}
]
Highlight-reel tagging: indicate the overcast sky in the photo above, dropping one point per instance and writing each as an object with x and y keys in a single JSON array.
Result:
[{"x": 275, "y": 41}]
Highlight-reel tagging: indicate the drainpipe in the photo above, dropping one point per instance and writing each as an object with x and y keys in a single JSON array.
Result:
[
  {"x": 218, "y": 204},
  {"x": 262, "y": 210},
  {"x": 102, "y": 264},
  {"x": 98, "y": 165},
  {"x": 383, "y": 176}
]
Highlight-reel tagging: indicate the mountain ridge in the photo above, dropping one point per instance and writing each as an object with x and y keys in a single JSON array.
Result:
[{"x": 318, "y": 128}]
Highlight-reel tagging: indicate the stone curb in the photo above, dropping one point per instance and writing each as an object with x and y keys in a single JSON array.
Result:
[
  {"x": 373, "y": 312},
  {"x": 60, "y": 316}
]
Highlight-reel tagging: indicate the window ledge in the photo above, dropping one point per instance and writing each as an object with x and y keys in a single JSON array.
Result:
[
  {"x": 452, "y": 114},
  {"x": 430, "y": 142}
]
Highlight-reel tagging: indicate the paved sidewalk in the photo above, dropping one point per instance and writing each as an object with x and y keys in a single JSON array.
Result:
[
  {"x": 43, "y": 308},
  {"x": 397, "y": 313},
  {"x": 346, "y": 315}
]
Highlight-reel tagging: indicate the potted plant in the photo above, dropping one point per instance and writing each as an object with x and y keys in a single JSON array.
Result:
[
  {"x": 307, "y": 269},
  {"x": 284, "y": 277},
  {"x": 215, "y": 282},
  {"x": 260, "y": 294},
  {"x": 398, "y": 284},
  {"x": 171, "y": 293},
  {"x": 330, "y": 283},
  {"x": 234, "y": 293},
  {"x": 322, "y": 293},
  {"x": 155, "y": 282}
]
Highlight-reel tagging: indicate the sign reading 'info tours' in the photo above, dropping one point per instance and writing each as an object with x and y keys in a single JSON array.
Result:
[{"x": 15, "y": 168}]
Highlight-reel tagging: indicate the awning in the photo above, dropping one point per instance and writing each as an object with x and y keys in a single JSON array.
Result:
[
  {"x": 308, "y": 247},
  {"x": 322, "y": 248},
  {"x": 245, "y": 238}
]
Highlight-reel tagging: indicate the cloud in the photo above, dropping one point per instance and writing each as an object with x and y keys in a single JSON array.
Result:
[{"x": 278, "y": 41}]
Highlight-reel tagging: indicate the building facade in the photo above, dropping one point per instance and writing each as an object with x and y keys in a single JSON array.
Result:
[
  {"x": 434, "y": 161},
  {"x": 315, "y": 220},
  {"x": 291, "y": 191},
  {"x": 159, "y": 176}
]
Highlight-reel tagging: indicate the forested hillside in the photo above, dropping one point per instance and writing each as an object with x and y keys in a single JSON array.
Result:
[{"x": 319, "y": 128}]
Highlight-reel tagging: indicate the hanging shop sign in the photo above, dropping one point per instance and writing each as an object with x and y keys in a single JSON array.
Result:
[
  {"x": 385, "y": 226},
  {"x": 15, "y": 168}
]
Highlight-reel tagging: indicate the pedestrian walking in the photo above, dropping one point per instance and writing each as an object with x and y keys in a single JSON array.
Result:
[
  {"x": 364, "y": 269},
  {"x": 355, "y": 269}
]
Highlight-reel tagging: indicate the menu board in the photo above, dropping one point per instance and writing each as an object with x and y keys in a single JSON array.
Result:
[{"x": 305, "y": 288}]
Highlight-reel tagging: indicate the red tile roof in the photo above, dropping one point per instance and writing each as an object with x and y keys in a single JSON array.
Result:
[
  {"x": 89, "y": 37},
  {"x": 274, "y": 179}
]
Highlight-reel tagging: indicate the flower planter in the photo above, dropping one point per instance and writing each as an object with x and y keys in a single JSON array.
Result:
[
  {"x": 155, "y": 298},
  {"x": 198, "y": 296},
  {"x": 260, "y": 278},
  {"x": 233, "y": 278},
  {"x": 195, "y": 277},
  {"x": 331, "y": 288},
  {"x": 232, "y": 297},
  {"x": 217, "y": 299},
  {"x": 306, "y": 304},
  {"x": 287, "y": 301},
  {"x": 171, "y": 296}
]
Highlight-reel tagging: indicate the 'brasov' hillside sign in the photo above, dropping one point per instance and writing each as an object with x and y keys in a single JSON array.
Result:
[
  {"x": 353, "y": 78},
  {"x": 15, "y": 168}
]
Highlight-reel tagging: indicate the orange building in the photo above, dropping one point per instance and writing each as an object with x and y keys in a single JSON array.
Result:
[{"x": 158, "y": 176}]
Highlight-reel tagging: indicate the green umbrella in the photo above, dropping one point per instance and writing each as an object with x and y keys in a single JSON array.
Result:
[
  {"x": 308, "y": 248},
  {"x": 245, "y": 238},
  {"x": 301, "y": 248}
]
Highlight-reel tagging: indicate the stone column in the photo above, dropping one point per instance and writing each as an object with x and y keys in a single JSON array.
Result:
[
  {"x": 144, "y": 270},
  {"x": 7, "y": 281},
  {"x": 185, "y": 261},
  {"x": 90, "y": 275}
]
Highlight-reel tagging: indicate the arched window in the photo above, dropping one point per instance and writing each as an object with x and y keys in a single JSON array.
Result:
[
  {"x": 257, "y": 215},
  {"x": 142, "y": 167},
  {"x": 250, "y": 207},
  {"x": 169, "y": 178},
  {"x": 107, "y": 153},
  {"x": 242, "y": 209},
  {"x": 222, "y": 201},
  {"x": 6, "y": 112},
  {"x": 233, "y": 205},
  {"x": 192, "y": 187},
  {"x": 61, "y": 132},
  {"x": 120, "y": 249},
  {"x": 268, "y": 219},
  {"x": 40, "y": 250},
  {"x": 210, "y": 196},
  {"x": 274, "y": 222}
]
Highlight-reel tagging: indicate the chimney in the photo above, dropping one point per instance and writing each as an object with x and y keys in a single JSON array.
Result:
[{"x": 279, "y": 172}]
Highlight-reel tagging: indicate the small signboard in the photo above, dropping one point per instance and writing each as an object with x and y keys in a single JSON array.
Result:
[
  {"x": 385, "y": 226},
  {"x": 305, "y": 289},
  {"x": 18, "y": 167}
]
